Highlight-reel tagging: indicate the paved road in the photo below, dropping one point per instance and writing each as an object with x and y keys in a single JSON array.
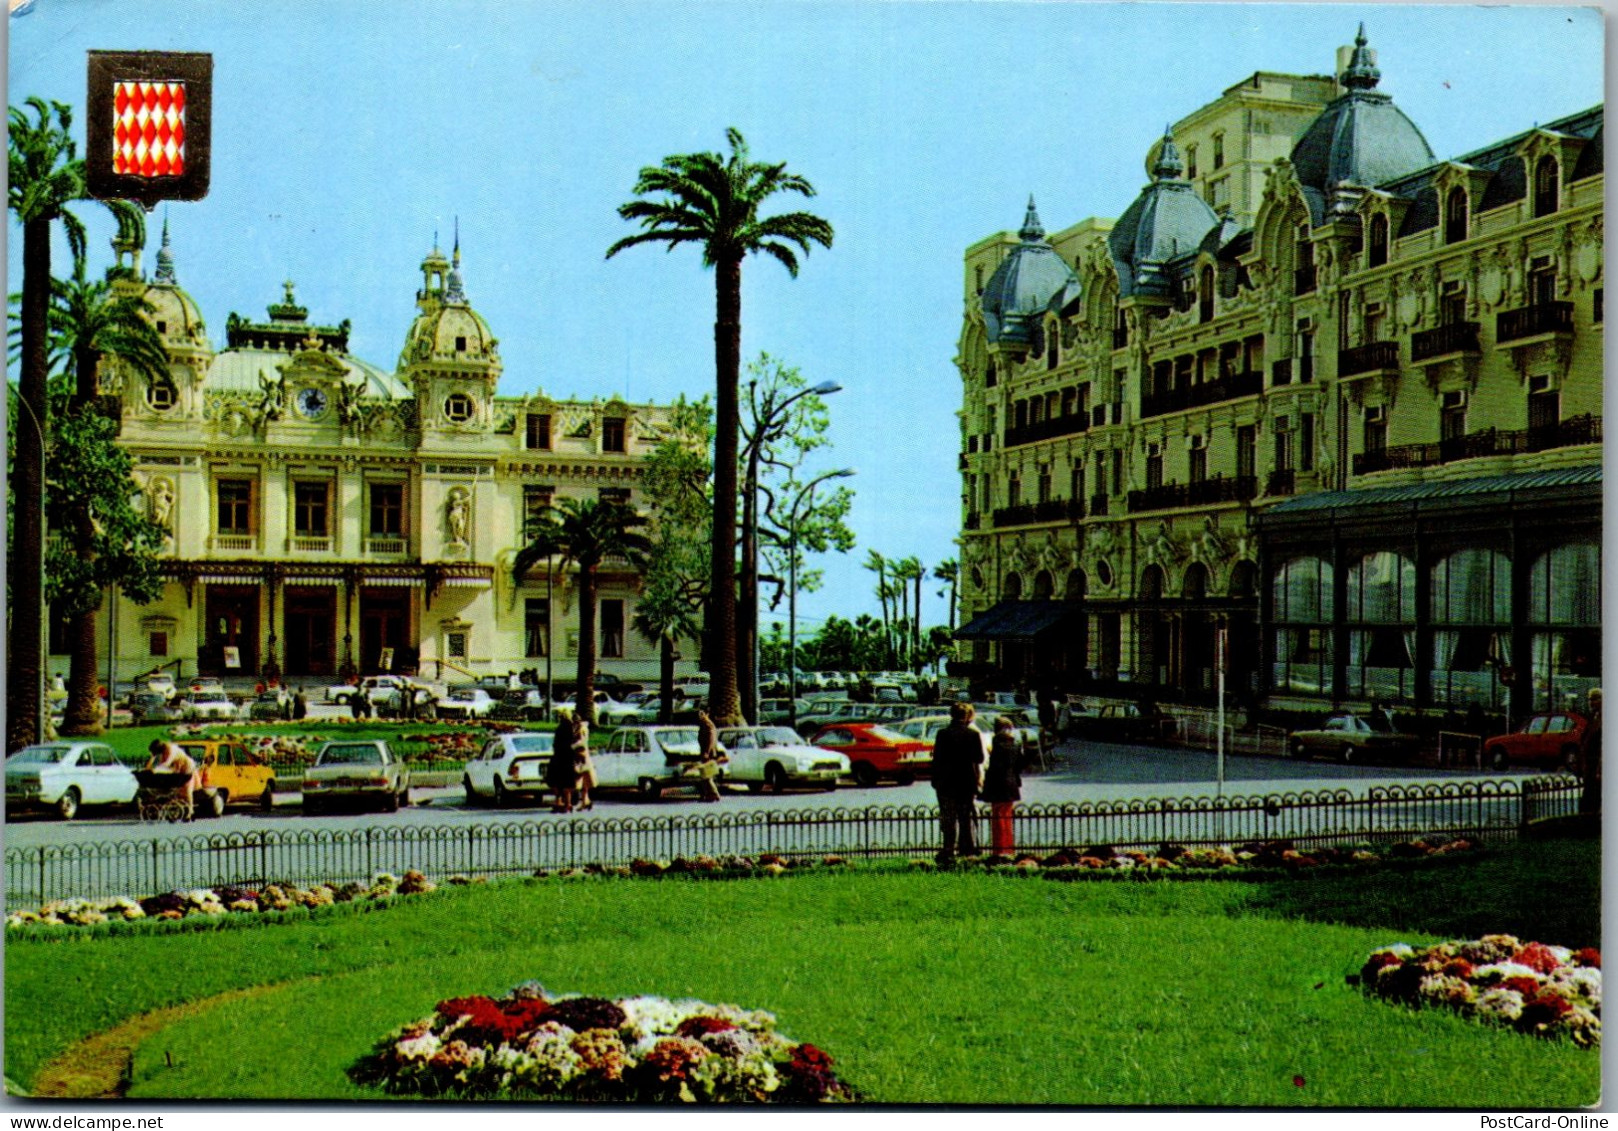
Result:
[{"x": 1082, "y": 772}]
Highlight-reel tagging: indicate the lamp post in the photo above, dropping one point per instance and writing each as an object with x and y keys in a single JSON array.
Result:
[
  {"x": 767, "y": 426},
  {"x": 806, "y": 491}
]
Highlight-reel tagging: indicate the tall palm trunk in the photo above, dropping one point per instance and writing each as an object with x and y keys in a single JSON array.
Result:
[
  {"x": 585, "y": 702},
  {"x": 25, "y": 659},
  {"x": 724, "y": 700},
  {"x": 665, "y": 678},
  {"x": 82, "y": 715},
  {"x": 915, "y": 650}
]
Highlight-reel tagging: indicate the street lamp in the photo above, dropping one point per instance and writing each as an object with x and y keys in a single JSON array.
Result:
[
  {"x": 807, "y": 491},
  {"x": 767, "y": 426}
]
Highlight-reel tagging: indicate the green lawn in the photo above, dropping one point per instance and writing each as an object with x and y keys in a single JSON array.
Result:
[{"x": 928, "y": 988}]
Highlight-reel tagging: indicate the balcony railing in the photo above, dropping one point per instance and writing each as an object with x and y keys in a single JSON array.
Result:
[
  {"x": 308, "y": 544},
  {"x": 1490, "y": 442},
  {"x": 1194, "y": 396},
  {"x": 1531, "y": 321},
  {"x": 1217, "y": 490},
  {"x": 1050, "y": 429},
  {"x": 1367, "y": 358},
  {"x": 1282, "y": 481},
  {"x": 1054, "y": 510},
  {"x": 1303, "y": 279},
  {"x": 1281, "y": 372},
  {"x": 1457, "y": 337},
  {"x": 236, "y": 543},
  {"x": 386, "y": 544}
]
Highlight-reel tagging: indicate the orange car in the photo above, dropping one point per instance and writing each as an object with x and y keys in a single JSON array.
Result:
[
  {"x": 876, "y": 753},
  {"x": 1553, "y": 739},
  {"x": 231, "y": 775}
]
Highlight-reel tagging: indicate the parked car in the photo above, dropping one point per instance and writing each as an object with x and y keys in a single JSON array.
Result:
[
  {"x": 200, "y": 706},
  {"x": 160, "y": 682},
  {"x": 778, "y": 712},
  {"x": 1122, "y": 722},
  {"x": 527, "y": 704},
  {"x": 1353, "y": 738},
  {"x": 386, "y": 693},
  {"x": 876, "y": 753},
  {"x": 775, "y": 757},
  {"x": 925, "y": 728},
  {"x": 231, "y": 775},
  {"x": 67, "y": 775},
  {"x": 510, "y": 767},
  {"x": 272, "y": 703},
  {"x": 1552, "y": 740},
  {"x": 467, "y": 703},
  {"x": 206, "y": 683},
  {"x": 358, "y": 772},
  {"x": 648, "y": 759},
  {"x": 151, "y": 707},
  {"x": 341, "y": 694}
]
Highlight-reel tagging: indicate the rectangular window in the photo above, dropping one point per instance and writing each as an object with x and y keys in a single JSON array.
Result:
[
  {"x": 158, "y": 644},
  {"x": 1154, "y": 467},
  {"x": 1075, "y": 481},
  {"x": 1598, "y": 305},
  {"x": 1117, "y": 470},
  {"x": 1190, "y": 162},
  {"x": 1283, "y": 444},
  {"x": 387, "y": 510},
  {"x": 309, "y": 509},
  {"x": 1306, "y": 353},
  {"x": 539, "y": 430},
  {"x": 1044, "y": 484},
  {"x": 1452, "y": 421},
  {"x": 455, "y": 645},
  {"x": 612, "y": 434},
  {"x": 235, "y": 506},
  {"x": 1376, "y": 432},
  {"x": 1013, "y": 491},
  {"x": 1246, "y": 450},
  {"x": 1373, "y": 324},
  {"x": 536, "y": 500},
  {"x": 1544, "y": 410},
  {"x": 615, "y": 495},
  {"x": 1101, "y": 473},
  {"x": 612, "y": 628},
  {"x": 1306, "y": 441},
  {"x": 1219, "y": 151},
  {"x": 536, "y": 624},
  {"x": 1541, "y": 282},
  {"x": 1452, "y": 305},
  {"x": 1199, "y": 462}
]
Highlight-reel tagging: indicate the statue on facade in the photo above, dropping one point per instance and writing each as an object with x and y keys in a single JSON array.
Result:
[
  {"x": 348, "y": 402},
  {"x": 1210, "y": 544},
  {"x": 269, "y": 404},
  {"x": 161, "y": 498},
  {"x": 458, "y": 514}
]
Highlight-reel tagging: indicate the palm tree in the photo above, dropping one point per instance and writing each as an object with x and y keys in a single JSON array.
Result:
[
  {"x": 585, "y": 532},
  {"x": 713, "y": 201},
  {"x": 44, "y": 176},
  {"x": 910, "y": 570},
  {"x": 949, "y": 572},
  {"x": 664, "y": 616},
  {"x": 91, "y": 322},
  {"x": 876, "y": 563}
]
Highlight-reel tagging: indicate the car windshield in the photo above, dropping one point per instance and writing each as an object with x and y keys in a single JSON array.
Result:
[
  {"x": 351, "y": 754},
  {"x": 680, "y": 740},
  {"x": 532, "y": 743},
  {"x": 39, "y": 755},
  {"x": 886, "y": 735},
  {"x": 463, "y": 696},
  {"x": 779, "y": 736}
]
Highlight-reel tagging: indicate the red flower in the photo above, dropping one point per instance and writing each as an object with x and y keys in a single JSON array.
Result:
[
  {"x": 1589, "y": 956},
  {"x": 1546, "y": 1009},
  {"x": 1459, "y": 968},
  {"x": 701, "y": 1026},
  {"x": 1537, "y": 956},
  {"x": 1523, "y": 984},
  {"x": 808, "y": 1054}
]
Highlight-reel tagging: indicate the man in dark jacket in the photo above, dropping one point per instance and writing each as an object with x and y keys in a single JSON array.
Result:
[{"x": 957, "y": 755}]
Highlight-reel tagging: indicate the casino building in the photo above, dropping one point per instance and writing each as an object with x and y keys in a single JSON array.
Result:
[
  {"x": 1316, "y": 389},
  {"x": 328, "y": 516}
]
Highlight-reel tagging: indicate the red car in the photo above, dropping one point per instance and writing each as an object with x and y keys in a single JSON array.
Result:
[
  {"x": 1553, "y": 739},
  {"x": 876, "y": 753}
]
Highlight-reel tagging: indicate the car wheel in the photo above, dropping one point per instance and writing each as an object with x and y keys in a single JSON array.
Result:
[
  {"x": 340, "y": 700},
  {"x": 404, "y": 798},
  {"x": 472, "y": 797},
  {"x": 775, "y": 778},
  {"x": 1569, "y": 760},
  {"x": 906, "y": 779},
  {"x": 1348, "y": 754},
  {"x": 1498, "y": 760},
  {"x": 67, "y": 806},
  {"x": 1297, "y": 750},
  {"x": 390, "y": 803},
  {"x": 500, "y": 798},
  {"x": 216, "y": 803},
  {"x": 649, "y": 789},
  {"x": 864, "y": 774},
  {"x": 266, "y": 799}
]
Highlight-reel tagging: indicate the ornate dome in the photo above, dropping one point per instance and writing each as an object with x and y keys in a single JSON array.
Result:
[
  {"x": 1029, "y": 281},
  {"x": 176, "y": 314},
  {"x": 1168, "y": 219},
  {"x": 1360, "y": 139},
  {"x": 447, "y": 329}
]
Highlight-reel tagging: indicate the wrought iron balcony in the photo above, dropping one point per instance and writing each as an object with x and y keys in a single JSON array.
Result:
[
  {"x": 1369, "y": 358},
  {"x": 1208, "y": 491},
  {"x": 1532, "y": 321},
  {"x": 1194, "y": 396},
  {"x": 1053, "y": 510},
  {"x": 1282, "y": 481},
  {"x": 1049, "y": 429},
  {"x": 1490, "y": 442},
  {"x": 1457, "y": 337}
]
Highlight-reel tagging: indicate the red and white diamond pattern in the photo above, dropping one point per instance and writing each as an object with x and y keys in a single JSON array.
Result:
[{"x": 148, "y": 138}]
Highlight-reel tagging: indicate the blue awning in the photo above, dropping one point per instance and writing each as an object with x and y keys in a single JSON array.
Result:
[{"x": 1017, "y": 620}]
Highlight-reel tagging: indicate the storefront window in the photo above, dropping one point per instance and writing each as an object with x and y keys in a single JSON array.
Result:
[
  {"x": 1564, "y": 610},
  {"x": 1302, "y": 607},
  {"x": 1381, "y": 616},
  {"x": 1471, "y": 616}
]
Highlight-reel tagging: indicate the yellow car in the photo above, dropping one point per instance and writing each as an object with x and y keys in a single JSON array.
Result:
[{"x": 230, "y": 775}]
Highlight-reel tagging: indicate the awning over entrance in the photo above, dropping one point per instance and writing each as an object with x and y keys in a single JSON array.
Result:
[{"x": 1017, "y": 620}]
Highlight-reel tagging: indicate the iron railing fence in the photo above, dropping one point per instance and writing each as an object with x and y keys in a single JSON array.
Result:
[{"x": 1492, "y": 810}]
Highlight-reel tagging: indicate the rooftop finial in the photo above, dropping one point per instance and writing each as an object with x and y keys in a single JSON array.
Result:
[
  {"x": 165, "y": 257},
  {"x": 1168, "y": 165},
  {"x": 1032, "y": 229},
  {"x": 453, "y": 291},
  {"x": 1361, "y": 73}
]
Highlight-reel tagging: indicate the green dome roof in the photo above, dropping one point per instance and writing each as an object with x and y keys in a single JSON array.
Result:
[
  {"x": 1026, "y": 284},
  {"x": 1167, "y": 220},
  {"x": 447, "y": 329}
]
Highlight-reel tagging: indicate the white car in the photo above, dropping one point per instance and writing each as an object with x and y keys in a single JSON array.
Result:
[
  {"x": 648, "y": 759},
  {"x": 206, "y": 705},
  {"x": 341, "y": 693},
  {"x": 775, "y": 757},
  {"x": 66, "y": 775},
  {"x": 509, "y": 767},
  {"x": 160, "y": 682},
  {"x": 467, "y": 703},
  {"x": 386, "y": 693}
]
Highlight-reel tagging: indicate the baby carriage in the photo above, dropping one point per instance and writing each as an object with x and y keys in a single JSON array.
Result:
[{"x": 161, "y": 797}]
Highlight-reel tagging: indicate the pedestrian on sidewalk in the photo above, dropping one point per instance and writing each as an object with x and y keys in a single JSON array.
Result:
[
  {"x": 1002, "y": 784},
  {"x": 957, "y": 765}
]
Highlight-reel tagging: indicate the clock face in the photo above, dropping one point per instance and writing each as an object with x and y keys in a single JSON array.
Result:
[{"x": 311, "y": 402}]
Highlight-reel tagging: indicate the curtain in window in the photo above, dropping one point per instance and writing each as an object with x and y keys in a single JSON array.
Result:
[
  {"x": 1302, "y": 592},
  {"x": 1472, "y": 587},
  {"x": 1565, "y": 585},
  {"x": 1382, "y": 588}
]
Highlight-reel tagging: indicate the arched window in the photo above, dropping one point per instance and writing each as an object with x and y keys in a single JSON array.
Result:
[
  {"x": 1076, "y": 585},
  {"x": 1547, "y": 180},
  {"x": 1151, "y": 583},
  {"x": 1302, "y": 607},
  {"x": 1011, "y": 588},
  {"x": 1470, "y": 598},
  {"x": 1455, "y": 220},
  {"x": 1244, "y": 579},
  {"x": 1381, "y": 618},
  {"x": 1376, "y": 247},
  {"x": 1044, "y": 585},
  {"x": 1205, "y": 294},
  {"x": 1195, "y": 586}
]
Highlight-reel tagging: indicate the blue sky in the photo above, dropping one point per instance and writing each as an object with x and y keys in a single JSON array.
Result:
[{"x": 346, "y": 132}]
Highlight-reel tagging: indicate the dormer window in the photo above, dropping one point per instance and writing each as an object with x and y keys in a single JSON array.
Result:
[
  {"x": 1455, "y": 216},
  {"x": 162, "y": 326},
  {"x": 539, "y": 430},
  {"x": 1547, "y": 178},
  {"x": 1190, "y": 162},
  {"x": 612, "y": 434},
  {"x": 1376, "y": 248},
  {"x": 460, "y": 343},
  {"x": 160, "y": 395}
]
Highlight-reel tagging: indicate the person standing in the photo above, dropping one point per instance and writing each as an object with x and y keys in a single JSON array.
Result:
[
  {"x": 1002, "y": 784},
  {"x": 170, "y": 758},
  {"x": 708, "y": 767},
  {"x": 584, "y": 769},
  {"x": 560, "y": 774},
  {"x": 957, "y": 761},
  {"x": 300, "y": 705},
  {"x": 1590, "y": 757}
]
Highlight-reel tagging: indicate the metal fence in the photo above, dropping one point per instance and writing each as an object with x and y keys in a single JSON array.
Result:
[{"x": 1488, "y": 810}]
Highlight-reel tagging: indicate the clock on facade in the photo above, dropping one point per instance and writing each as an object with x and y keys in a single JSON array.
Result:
[{"x": 311, "y": 402}]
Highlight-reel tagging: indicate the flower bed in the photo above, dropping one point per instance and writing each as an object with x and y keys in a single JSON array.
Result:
[
  {"x": 1549, "y": 991},
  {"x": 530, "y": 1045}
]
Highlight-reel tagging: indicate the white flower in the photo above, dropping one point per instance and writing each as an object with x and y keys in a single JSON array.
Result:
[
  {"x": 652, "y": 1016},
  {"x": 1500, "y": 1004},
  {"x": 1500, "y": 971},
  {"x": 418, "y": 1048},
  {"x": 1579, "y": 984}
]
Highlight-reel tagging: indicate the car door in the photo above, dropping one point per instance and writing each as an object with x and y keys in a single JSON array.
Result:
[
  {"x": 610, "y": 762},
  {"x": 91, "y": 775},
  {"x": 746, "y": 759},
  {"x": 483, "y": 769}
]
